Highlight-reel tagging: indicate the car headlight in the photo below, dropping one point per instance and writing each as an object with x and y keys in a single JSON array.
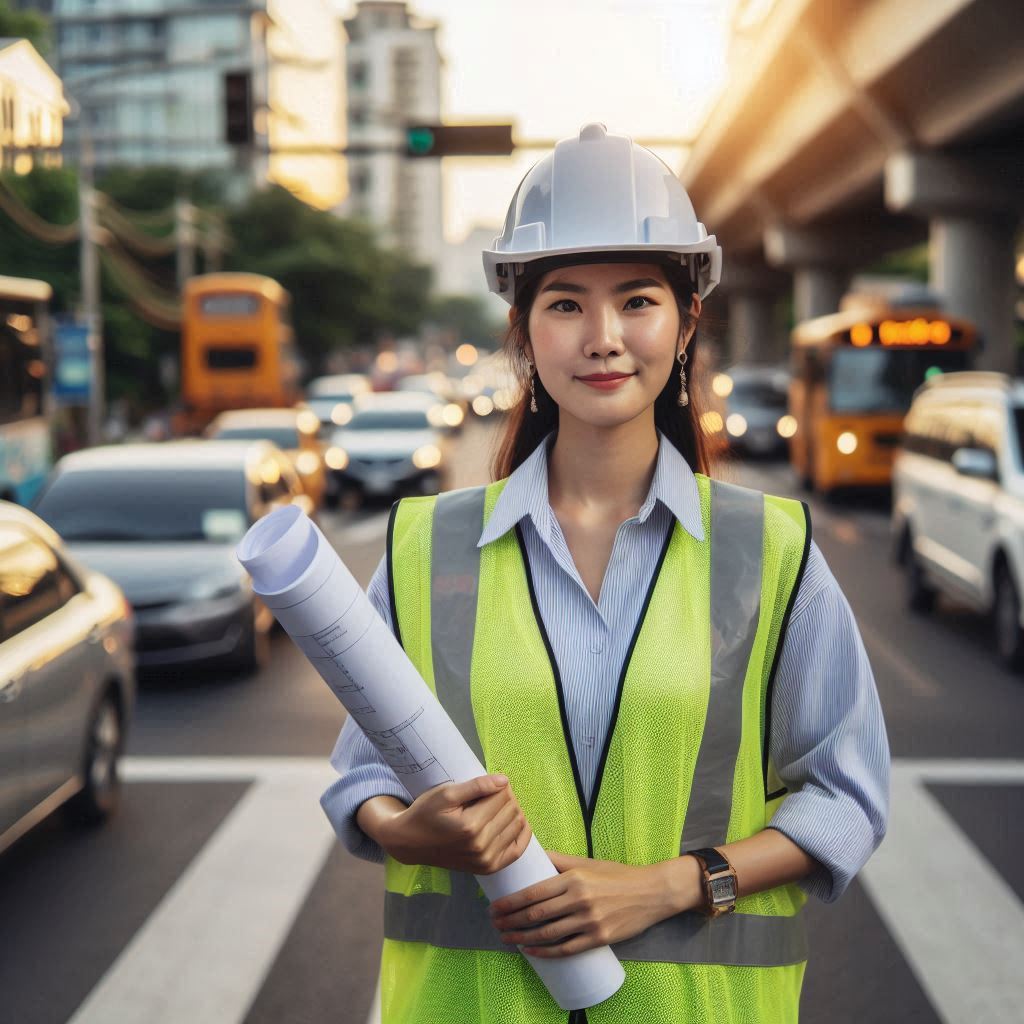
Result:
[
  {"x": 426, "y": 457},
  {"x": 307, "y": 463},
  {"x": 341, "y": 414},
  {"x": 736, "y": 424},
  {"x": 452, "y": 415},
  {"x": 846, "y": 442},
  {"x": 786, "y": 426},
  {"x": 482, "y": 405},
  {"x": 336, "y": 458}
]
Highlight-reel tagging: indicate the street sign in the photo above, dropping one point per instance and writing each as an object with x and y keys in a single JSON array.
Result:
[{"x": 72, "y": 356}]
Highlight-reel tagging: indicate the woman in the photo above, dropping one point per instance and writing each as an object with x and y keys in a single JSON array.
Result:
[{"x": 658, "y": 668}]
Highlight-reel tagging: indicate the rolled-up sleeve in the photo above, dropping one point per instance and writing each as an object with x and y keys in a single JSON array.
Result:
[
  {"x": 828, "y": 739},
  {"x": 362, "y": 772}
]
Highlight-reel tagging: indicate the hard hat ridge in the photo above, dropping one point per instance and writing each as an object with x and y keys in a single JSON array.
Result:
[{"x": 600, "y": 193}]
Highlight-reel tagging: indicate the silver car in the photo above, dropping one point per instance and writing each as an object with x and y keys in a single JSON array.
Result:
[
  {"x": 67, "y": 680},
  {"x": 163, "y": 521},
  {"x": 394, "y": 442}
]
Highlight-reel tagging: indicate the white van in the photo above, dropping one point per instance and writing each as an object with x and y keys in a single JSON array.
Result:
[{"x": 958, "y": 500}]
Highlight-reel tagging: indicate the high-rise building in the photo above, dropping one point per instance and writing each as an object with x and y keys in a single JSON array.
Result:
[
  {"x": 393, "y": 78},
  {"x": 150, "y": 79}
]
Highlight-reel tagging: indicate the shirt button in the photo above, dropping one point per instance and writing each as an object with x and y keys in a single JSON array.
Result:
[
  {"x": 589, "y": 740},
  {"x": 596, "y": 647}
]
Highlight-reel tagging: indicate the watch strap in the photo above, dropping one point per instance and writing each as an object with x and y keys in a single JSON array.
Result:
[{"x": 712, "y": 860}]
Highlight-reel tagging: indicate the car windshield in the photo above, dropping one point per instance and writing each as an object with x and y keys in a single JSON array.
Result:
[
  {"x": 758, "y": 393},
  {"x": 885, "y": 379},
  {"x": 389, "y": 419},
  {"x": 283, "y": 437},
  {"x": 146, "y": 504}
]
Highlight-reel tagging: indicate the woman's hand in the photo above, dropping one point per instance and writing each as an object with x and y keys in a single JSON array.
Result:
[
  {"x": 475, "y": 826},
  {"x": 589, "y": 903}
]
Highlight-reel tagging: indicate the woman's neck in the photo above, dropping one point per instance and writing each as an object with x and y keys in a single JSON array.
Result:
[{"x": 595, "y": 469}]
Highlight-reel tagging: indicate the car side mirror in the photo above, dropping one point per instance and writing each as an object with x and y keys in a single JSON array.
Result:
[{"x": 977, "y": 462}]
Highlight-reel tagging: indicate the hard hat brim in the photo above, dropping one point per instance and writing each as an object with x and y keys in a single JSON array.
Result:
[{"x": 501, "y": 268}]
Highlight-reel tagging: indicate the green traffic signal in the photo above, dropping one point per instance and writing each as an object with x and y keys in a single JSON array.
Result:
[{"x": 420, "y": 140}]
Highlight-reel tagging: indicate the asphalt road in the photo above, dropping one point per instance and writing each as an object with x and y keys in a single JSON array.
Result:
[{"x": 219, "y": 894}]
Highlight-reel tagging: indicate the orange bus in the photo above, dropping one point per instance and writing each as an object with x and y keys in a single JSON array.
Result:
[
  {"x": 854, "y": 373},
  {"x": 237, "y": 346}
]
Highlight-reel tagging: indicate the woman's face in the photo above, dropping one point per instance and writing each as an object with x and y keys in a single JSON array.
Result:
[{"x": 605, "y": 318}]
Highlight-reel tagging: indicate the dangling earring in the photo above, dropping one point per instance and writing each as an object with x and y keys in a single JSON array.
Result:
[
  {"x": 533, "y": 395},
  {"x": 684, "y": 398}
]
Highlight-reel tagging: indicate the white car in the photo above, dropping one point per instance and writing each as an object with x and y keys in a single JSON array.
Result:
[{"x": 958, "y": 500}]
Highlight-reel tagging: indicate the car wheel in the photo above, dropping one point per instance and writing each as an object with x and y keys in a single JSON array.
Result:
[
  {"x": 99, "y": 797},
  {"x": 920, "y": 594},
  {"x": 1006, "y": 620}
]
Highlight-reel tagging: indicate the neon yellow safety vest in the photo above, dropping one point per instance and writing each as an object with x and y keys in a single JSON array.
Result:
[{"x": 685, "y": 763}]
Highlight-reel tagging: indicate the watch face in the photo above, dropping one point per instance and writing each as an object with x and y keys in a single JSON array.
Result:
[{"x": 723, "y": 889}]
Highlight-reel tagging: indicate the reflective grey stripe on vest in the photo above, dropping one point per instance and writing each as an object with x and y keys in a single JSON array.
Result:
[
  {"x": 737, "y": 542},
  {"x": 460, "y": 921},
  {"x": 737, "y": 939}
]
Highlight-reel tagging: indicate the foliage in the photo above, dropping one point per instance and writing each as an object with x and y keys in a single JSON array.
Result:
[
  {"x": 345, "y": 289},
  {"x": 469, "y": 317},
  {"x": 28, "y": 25}
]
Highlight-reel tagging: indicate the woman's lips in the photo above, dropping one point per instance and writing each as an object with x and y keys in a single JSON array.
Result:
[{"x": 605, "y": 383}]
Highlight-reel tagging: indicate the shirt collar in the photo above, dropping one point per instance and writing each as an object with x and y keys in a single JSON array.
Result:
[{"x": 526, "y": 494}]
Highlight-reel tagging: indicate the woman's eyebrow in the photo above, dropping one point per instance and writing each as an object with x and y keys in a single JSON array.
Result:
[{"x": 626, "y": 286}]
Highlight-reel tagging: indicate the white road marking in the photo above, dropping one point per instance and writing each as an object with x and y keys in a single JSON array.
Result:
[
  {"x": 203, "y": 954},
  {"x": 958, "y": 923}
]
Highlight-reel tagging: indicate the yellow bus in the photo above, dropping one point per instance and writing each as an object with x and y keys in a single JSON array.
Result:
[
  {"x": 237, "y": 346},
  {"x": 854, "y": 373}
]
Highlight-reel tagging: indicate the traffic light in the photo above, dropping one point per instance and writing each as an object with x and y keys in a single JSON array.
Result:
[
  {"x": 238, "y": 108},
  {"x": 435, "y": 140}
]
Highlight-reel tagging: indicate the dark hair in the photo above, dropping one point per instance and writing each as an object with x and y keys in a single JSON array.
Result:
[{"x": 524, "y": 430}]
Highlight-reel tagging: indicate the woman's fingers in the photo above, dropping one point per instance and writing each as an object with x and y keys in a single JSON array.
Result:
[
  {"x": 493, "y": 829},
  {"x": 536, "y": 914},
  {"x": 546, "y": 934}
]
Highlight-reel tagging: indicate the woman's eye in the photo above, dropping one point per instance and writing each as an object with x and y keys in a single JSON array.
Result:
[
  {"x": 562, "y": 302},
  {"x": 639, "y": 298}
]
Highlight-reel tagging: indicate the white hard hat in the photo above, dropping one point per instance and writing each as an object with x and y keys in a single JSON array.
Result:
[{"x": 600, "y": 193}]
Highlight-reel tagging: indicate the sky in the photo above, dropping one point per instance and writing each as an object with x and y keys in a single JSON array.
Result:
[{"x": 646, "y": 68}]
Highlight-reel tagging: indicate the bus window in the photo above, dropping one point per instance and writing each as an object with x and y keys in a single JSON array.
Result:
[{"x": 233, "y": 358}]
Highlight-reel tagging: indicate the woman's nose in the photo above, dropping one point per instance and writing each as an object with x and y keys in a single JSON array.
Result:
[{"x": 604, "y": 335}]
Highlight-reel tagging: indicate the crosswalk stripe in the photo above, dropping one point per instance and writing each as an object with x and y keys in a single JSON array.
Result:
[
  {"x": 203, "y": 954},
  {"x": 958, "y": 923}
]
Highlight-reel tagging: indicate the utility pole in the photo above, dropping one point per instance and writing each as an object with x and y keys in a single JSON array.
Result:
[
  {"x": 185, "y": 234},
  {"x": 89, "y": 269}
]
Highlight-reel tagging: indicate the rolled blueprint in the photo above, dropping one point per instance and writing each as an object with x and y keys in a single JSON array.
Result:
[{"x": 300, "y": 577}]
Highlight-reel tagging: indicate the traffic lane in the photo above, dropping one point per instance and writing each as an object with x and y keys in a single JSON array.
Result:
[
  {"x": 73, "y": 899},
  {"x": 942, "y": 689}
]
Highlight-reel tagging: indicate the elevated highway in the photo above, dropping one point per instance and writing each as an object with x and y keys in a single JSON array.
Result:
[{"x": 853, "y": 128}]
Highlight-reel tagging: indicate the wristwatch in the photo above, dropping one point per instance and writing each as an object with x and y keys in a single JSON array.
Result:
[{"x": 719, "y": 882}]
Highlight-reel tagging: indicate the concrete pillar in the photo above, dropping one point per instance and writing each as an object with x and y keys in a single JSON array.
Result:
[
  {"x": 820, "y": 261},
  {"x": 817, "y": 290},
  {"x": 751, "y": 292},
  {"x": 973, "y": 204}
]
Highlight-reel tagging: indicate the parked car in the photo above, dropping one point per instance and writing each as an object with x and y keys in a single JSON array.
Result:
[
  {"x": 394, "y": 442},
  {"x": 163, "y": 521},
  {"x": 755, "y": 399},
  {"x": 67, "y": 680},
  {"x": 958, "y": 500},
  {"x": 329, "y": 397},
  {"x": 294, "y": 431}
]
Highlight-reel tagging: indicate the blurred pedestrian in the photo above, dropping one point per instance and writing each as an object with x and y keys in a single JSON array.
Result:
[{"x": 657, "y": 666}]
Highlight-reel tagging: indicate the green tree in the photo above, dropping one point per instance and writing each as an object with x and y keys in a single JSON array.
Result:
[
  {"x": 28, "y": 25},
  {"x": 469, "y": 317},
  {"x": 344, "y": 287}
]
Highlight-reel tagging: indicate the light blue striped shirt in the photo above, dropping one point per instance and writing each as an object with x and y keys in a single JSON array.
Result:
[{"x": 828, "y": 741}]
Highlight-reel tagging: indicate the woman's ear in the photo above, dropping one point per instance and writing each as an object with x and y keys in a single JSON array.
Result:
[{"x": 696, "y": 305}]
